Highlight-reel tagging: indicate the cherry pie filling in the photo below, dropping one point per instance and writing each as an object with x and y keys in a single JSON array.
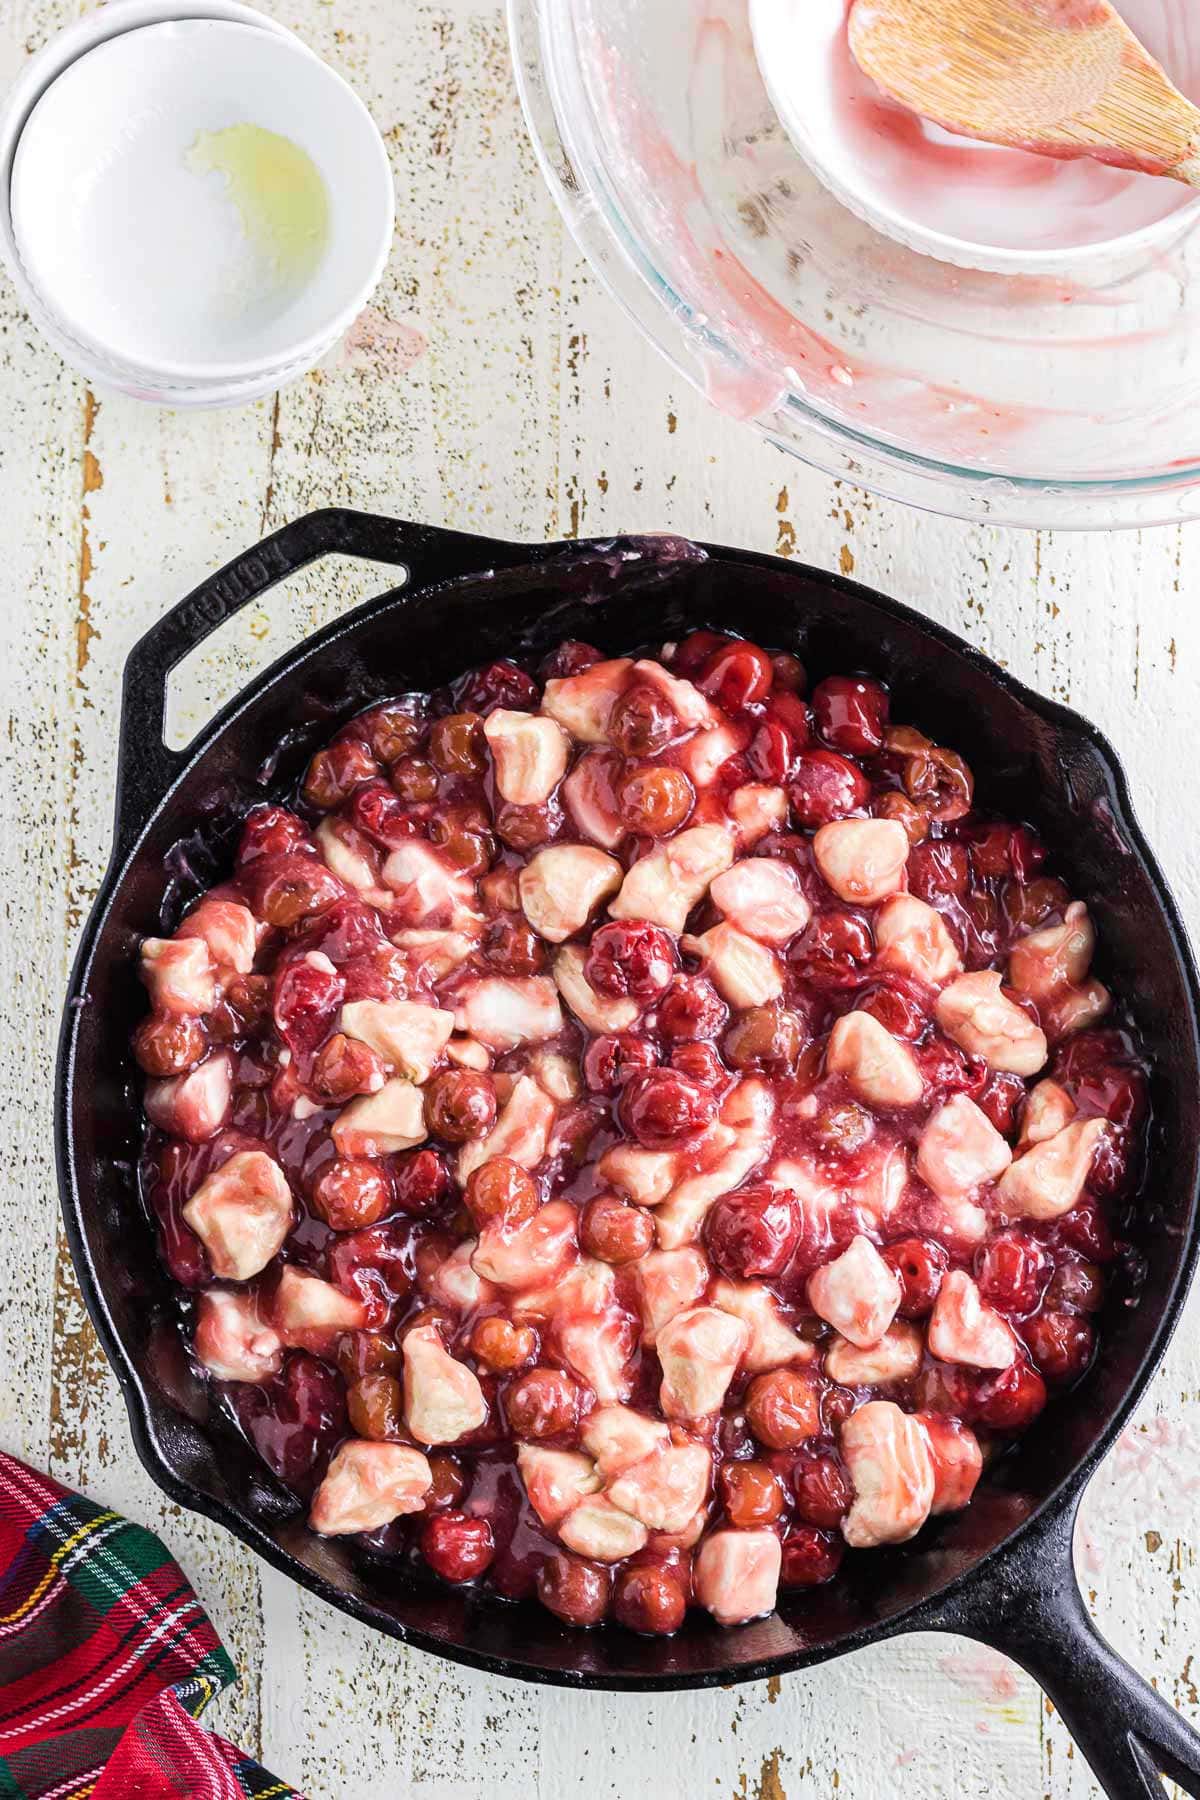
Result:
[{"x": 628, "y": 1133}]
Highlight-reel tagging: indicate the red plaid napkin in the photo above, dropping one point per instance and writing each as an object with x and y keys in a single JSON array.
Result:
[{"x": 107, "y": 1660}]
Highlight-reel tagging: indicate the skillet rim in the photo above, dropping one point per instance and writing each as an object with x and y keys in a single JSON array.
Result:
[{"x": 511, "y": 558}]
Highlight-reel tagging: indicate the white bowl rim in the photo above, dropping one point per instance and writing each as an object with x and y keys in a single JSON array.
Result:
[
  {"x": 162, "y": 393},
  {"x": 196, "y": 377},
  {"x": 927, "y": 240},
  {"x": 44, "y": 67}
]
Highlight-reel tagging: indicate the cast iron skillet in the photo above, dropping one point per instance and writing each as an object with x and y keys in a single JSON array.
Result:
[{"x": 1001, "y": 1572}]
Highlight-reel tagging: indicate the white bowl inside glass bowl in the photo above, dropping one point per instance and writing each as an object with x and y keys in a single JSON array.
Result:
[
  {"x": 1030, "y": 399},
  {"x": 975, "y": 204}
]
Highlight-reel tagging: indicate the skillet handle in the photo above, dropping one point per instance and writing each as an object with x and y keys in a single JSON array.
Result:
[
  {"x": 1031, "y": 1609},
  {"x": 146, "y": 768}
]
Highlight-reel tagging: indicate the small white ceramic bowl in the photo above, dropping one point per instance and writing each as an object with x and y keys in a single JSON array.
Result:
[
  {"x": 968, "y": 203},
  {"x": 165, "y": 74},
  {"x": 62, "y": 50}
]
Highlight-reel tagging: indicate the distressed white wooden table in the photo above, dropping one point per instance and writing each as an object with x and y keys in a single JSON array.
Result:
[{"x": 497, "y": 389}]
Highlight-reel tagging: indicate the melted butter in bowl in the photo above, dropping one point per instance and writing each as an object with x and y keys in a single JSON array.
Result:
[{"x": 279, "y": 196}]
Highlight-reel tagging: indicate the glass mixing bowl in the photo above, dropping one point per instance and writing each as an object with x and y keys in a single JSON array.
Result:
[{"x": 1022, "y": 399}]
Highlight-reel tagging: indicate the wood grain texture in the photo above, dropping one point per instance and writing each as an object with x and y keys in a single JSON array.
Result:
[{"x": 533, "y": 411}]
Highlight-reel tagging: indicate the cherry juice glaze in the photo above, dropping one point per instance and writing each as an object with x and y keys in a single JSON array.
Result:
[
  {"x": 982, "y": 193},
  {"x": 774, "y": 1436}
]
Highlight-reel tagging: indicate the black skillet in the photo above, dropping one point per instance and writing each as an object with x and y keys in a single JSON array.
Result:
[{"x": 1001, "y": 1572}]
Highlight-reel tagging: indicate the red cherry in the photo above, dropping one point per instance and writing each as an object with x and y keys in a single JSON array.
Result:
[
  {"x": 635, "y": 960},
  {"x": 295, "y": 1420},
  {"x": 998, "y": 850},
  {"x": 700, "y": 1062},
  {"x": 544, "y": 1403},
  {"x": 289, "y": 891},
  {"x": 333, "y": 774},
  {"x": 512, "y": 947},
  {"x": 392, "y": 729},
  {"x": 1096, "y": 1070},
  {"x": 821, "y": 1488},
  {"x": 751, "y": 1494},
  {"x": 1013, "y": 1271},
  {"x": 754, "y": 1232},
  {"x": 380, "y": 973},
  {"x": 372, "y": 1265},
  {"x": 946, "y": 1070},
  {"x": 826, "y": 787},
  {"x": 170, "y": 1044},
  {"x": 1077, "y": 1286},
  {"x": 1061, "y": 1345},
  {"x": 613, "y": 1231},
  {"x": 663, "y": 1107},
  {"x": 736, "y": 676},
  {"x": 651, "y": 1598},
  {"x": 1110, "y": 1165},
  {"x": 498, "y": 684},
  {"x": 272, "y": 831},
  {"x": 571, "y": 658},
  {"x": 691, "y": 1009},
  {"x": 611, "y": 1061},
  {"x": 1012, "y": 1400},
  {"x": 919, "y": 1266},
  {"x": 851, "y": 714},
  {"x": 1085, "y": 1229},
  {"x": 814, "y": 1244},
  {"x": 790, "y": 675},
  {"x": 697, "y": 649},
  {"x": 810, "y": 1557},
  {"x": 378, "y": 810},
  {"x": 501, "y": 1193},
  {"x": 350, "y": 1194},
  {"x": 834, "y": 950},
  {"x": 771, "y": 752},
  {"x": 575, "y": 1591},
  {"x": 307, "y": 1000},
  {"x": 457, "y": 1546},
  {"x": 947, "y": 1388},
  {"x": 781, "y": 734},
  {"x": 641, "y": 723},
  {"x": 460, "y": 1105},
  {"x": 1002, "y": 1100},
  {"x": 896, "y": 1011},
  {"x": 938, "y": 870},
  {"x": 990, "y": 849},
  {"x": 783, "y": 1407},
  {"x": 347, "y": 931},
  {"x": 422, "y": 1180}
]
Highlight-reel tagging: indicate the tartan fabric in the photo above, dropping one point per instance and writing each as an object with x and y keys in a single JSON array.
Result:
[{"x": 107, "y": 1660}]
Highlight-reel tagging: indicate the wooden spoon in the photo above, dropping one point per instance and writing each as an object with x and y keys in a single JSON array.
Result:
[{"x": 1059, "y": 77}]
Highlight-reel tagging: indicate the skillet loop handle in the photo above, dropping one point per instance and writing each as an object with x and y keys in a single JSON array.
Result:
[
  {"x": 146, "y": 768},
  {"x": 1033, "y": 1611}
]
